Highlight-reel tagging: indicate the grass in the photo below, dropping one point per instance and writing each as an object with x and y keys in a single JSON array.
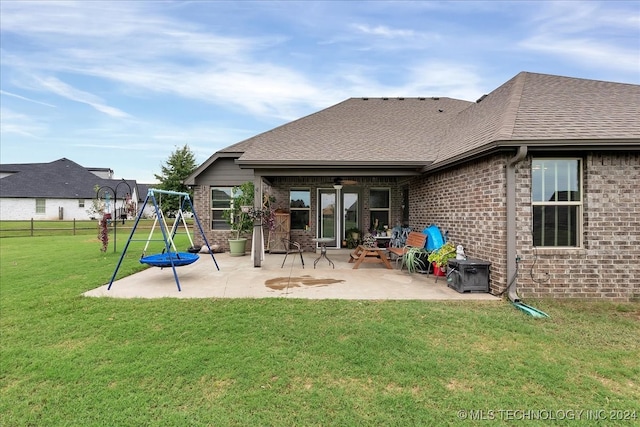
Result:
[
  {"x": 68, "y": 360},
  {"x": 42, "y": 228}
]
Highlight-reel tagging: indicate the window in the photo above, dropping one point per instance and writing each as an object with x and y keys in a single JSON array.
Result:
[
  {"x": 556, "y": 197},
  {"x": 300, "y": 205},
  {"x": 379, "y": 205},
  {"x": 220, "y": 201},
  {"x": 81, "y": 203},
  {"x": 41, "y": 206}
]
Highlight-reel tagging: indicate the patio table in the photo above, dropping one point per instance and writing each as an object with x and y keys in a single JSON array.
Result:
[
  {"x": 323, "y": 249},
  {"x": 369, "y": 255}
]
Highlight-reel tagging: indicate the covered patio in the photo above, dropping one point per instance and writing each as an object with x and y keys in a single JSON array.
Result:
[{"x": 238, "y": 278}]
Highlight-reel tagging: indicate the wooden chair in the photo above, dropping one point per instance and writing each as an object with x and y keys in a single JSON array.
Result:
[
  {"x": 291, "y": 247},
  {"x": 415, "y": 239}
]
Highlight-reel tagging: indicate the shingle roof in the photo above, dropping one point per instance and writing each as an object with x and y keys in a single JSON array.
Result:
[
  {"x": 358, "y": 130},
  {"x": 60, "y": 179},
  {"x": 537, "y": 108},
  {"x": 541, "y": 108}
]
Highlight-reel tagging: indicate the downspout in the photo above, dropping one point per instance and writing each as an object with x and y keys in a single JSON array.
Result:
[
  {"x": 258, "y": 239},
  {"x": 512, "y": 249}
]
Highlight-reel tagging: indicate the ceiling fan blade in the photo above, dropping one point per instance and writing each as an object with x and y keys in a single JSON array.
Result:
[{"x": 349, "y": 182}]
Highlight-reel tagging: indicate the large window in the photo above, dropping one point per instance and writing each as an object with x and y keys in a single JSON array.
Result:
[
  {"x": 300, "y": 205},
  {"x": 41, "y": 206},
  {"x": 556, "y": 197},
  {"x": 379, "y": 206},
  {"x": 220, "y": 201}
]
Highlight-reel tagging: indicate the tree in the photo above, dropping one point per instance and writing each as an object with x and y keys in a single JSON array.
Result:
[{"x": 181, "y": 163}]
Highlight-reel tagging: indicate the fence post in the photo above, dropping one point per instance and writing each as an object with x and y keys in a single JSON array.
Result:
[
  {"x": 74, "y": 226},
  {"x": 31, "y": 227}
]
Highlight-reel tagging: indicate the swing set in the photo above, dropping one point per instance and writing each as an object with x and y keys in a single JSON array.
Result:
[{"x": 170, "y": 256}]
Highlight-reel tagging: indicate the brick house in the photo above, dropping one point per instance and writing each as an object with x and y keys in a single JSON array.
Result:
[{"x": 541, "y": 177}]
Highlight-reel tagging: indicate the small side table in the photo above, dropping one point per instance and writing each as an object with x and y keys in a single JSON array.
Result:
[
  {"x": 323, "y": 249},
  {"x": 383, "y": 240}
]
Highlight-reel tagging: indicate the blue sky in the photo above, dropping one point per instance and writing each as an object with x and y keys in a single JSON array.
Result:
[{"x": 122, "y": 84}]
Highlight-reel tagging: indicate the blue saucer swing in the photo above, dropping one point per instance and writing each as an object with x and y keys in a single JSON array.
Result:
[
  {"x": 170, "y": 257},
  {"x": 177, "y": 259}
]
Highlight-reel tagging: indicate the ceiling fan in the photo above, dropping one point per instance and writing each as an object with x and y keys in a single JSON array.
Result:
[{"x": 340, "y": 181}]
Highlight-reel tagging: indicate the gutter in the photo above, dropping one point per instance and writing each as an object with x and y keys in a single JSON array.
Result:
[{"x": 616, "y": 144}]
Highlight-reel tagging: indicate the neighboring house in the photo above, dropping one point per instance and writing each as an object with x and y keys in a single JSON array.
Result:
[
  {"x": 61, "y": 189},
  {"x": 541, "y": 177}
]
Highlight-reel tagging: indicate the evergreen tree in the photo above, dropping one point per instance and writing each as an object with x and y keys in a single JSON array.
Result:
[{"x": 181, "y": 163}]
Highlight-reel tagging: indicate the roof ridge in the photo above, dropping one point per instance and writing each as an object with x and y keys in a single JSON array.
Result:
[{"x": 510, "y": 112}]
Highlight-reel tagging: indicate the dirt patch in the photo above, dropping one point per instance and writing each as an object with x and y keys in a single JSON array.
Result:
[{"x": 280, "y": 283}]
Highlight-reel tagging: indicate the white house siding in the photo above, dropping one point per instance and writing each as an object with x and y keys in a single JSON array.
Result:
[{"x": 12, "y": 208}]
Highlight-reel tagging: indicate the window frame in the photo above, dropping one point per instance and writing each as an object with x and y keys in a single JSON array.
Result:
[
  {"x": 373, "y": 209},
  {"x": 578, "y": 204},
  {"x": 225, "y": 226},
  {"x": 298, "y": 209},
  {"x": 41, "y": 206}
]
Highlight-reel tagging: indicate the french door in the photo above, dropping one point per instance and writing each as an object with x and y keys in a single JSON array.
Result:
[{"x": 338, "y": 211}]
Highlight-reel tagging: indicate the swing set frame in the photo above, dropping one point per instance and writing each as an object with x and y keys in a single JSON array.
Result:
[{"x": 170, "y": 256}]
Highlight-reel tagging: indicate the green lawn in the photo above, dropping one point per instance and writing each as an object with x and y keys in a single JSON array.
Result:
[
  {"x": 44, "y": 228},
  {"x": 68, "y": 360}
]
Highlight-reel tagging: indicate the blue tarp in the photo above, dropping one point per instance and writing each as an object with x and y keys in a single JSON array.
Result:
[{"x": 434, "y": 237}]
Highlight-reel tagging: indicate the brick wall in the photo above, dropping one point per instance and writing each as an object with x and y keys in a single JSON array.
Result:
[
  {"x": 280, "y": 190},
  {"x": 469, "y": 202},
  {"x": 607, "y": 266}
]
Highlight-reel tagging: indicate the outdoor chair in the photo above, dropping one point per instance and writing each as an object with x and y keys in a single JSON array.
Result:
[
  {"x": 291, "y": 247},
  {"x": 415, "y": 239}
]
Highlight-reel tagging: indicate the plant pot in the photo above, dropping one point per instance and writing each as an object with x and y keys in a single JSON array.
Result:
[
  {"x": 437, "y": 271},
  {"x": 237, "y": 247}
]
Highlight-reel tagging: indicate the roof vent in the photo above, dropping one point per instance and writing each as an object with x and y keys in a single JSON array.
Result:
[
  {"x": 481, "y": 98},
  {"x": 422, "y": 99},
  {"x": 401, "y": 99},
  {"x": 385, "y": 99},
  {"x": 440, "y": 110},
  {"x": 435, "y": 98},
  {"x": 365, "y": 99}
]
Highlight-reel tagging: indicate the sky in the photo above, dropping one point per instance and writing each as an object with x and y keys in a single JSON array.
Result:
[{"x": 123, "y": 84}]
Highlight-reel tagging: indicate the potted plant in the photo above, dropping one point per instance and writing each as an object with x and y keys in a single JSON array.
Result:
[
  {"x": 352, "y": 237},
  {"x": 440, "y": 258},
  {"x": 415, "y": 259},
  {"x": 238, "y": 217}
]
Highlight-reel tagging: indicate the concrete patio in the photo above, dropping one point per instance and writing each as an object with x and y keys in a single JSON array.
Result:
[{"x": 237, "y": 278}]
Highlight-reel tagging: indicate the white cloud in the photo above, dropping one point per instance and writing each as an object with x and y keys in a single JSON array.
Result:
[
  {"x": 384, "y": 31},
  {"x": 586, "y": 32},
  {"x": 66, "y": 91},
  {"x": 24, "y": 98},
  {"x": 213, "y": 73},
  {"x": 150, "y": 53},
  {"x": 18, "y": 124},
  {"x": 587, "y": 52}
]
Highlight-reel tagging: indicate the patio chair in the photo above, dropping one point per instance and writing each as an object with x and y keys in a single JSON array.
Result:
[{"x": 291, "y": 247}]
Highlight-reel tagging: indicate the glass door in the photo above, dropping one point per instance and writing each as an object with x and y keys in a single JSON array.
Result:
[
  {"x": 328, "y": 222},
  {"x": 351, "y": 218}
]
